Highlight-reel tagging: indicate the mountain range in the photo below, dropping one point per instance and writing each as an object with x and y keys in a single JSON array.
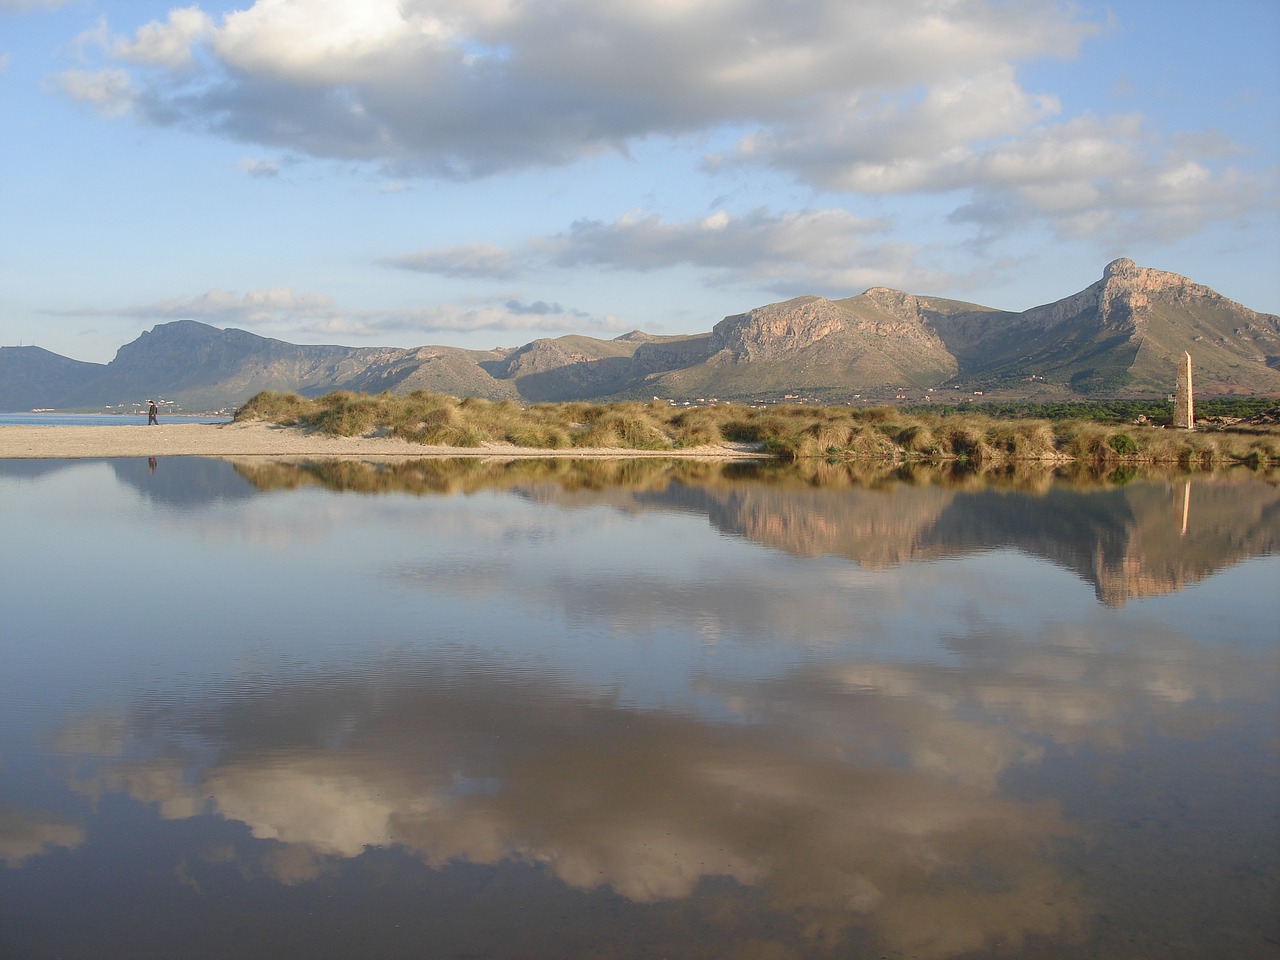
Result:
[{"x": 1122, "y": 336}]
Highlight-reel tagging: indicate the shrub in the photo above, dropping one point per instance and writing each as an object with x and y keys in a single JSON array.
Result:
[
  {"x": 1085, "y": 441},
  {"x": 828, "y": 437},
  {"x": 469, "y": 437},
  {"x": 695, "y": 428},
  {"x": 1035, "y": 440},
  {"x": 964, "y": 441},
  {"x": 344, "y": 414},
  {"x": 283, "y": 408},
  {"x": 876, "y": 414},
  {"x": 916, "y": 438},
  {"x": 535, "y": 436},
  {"x": 640, "y": 433},
  {"x": 754, "y": 428},
  {"x": 1123, "y": 444}
]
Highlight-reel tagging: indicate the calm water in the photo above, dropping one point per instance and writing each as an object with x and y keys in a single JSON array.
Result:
[
  {"x": 635, "y": 710},
  {"x": 102, "y": 419}
]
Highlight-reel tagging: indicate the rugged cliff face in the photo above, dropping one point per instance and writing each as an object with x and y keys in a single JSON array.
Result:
[
  {"x": 880, "y": 317},
  {"x": 1138, "y": 286},
  {"x": 777, "y": 329}
]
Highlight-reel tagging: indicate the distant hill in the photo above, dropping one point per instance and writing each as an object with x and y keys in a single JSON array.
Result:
[
  {"x": 33, "y": 378},
  {"x": 1121, "y": 336}
]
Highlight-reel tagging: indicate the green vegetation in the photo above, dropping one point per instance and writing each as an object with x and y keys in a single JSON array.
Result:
[
  {"x": 1102, "y": 434},
  {"x": 1157, "y": 411}
]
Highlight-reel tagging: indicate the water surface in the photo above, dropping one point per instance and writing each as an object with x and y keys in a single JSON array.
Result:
[
  {"x": 103, "y": 419},
  {"x": 635, "y": 709}
]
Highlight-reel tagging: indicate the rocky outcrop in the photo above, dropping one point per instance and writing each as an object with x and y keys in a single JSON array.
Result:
[
  {"x": 880, "y": 314},
  {"x": 777, "y": 328},
  {"x": 1124, "y": 278}
]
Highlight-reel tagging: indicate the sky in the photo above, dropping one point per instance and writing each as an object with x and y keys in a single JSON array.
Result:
[{"x": 482, "y": 173}]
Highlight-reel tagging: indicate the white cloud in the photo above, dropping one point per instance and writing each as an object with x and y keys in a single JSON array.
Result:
[
  {"x": 501, "y": 315},
  {"x": 474, "y": 260},
  {"x": 316, "y": 314},
  {"x": 259, "y": 168},
  {"x": 465, "y": 89},
  {"x": 876, "y": 144},
  {"x": 110, "y": 91},
  {"x": 759, "y": 241},
  {"x": 230, "y": 307},
  {"x": 1081, "y": 176},
  {"x": 831, "y": 250},
  {"x": 166, "y": 44},
  {"x": 1090, "y": 177},
  {"x": 1083, "y": 149}
]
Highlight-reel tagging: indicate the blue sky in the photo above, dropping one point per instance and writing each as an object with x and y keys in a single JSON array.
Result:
[{"x": 480, "y": 173}]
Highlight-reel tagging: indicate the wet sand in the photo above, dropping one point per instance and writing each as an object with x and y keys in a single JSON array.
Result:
[{"x": 256, "y": 439}]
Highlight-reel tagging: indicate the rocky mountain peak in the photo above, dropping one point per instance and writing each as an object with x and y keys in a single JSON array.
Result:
[
  {"x": 1123, "y": 276},
  {"x": 1121, "y": 297},
  {"x": 1121, "y": 267},
  {"x": 895, "y": 302},
  {"x": 1130, "y": 289}
]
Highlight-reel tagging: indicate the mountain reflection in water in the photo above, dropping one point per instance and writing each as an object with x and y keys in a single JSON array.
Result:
[
  {"x": 1128, "y": 539},
  {"x": 634, "y": 709}
]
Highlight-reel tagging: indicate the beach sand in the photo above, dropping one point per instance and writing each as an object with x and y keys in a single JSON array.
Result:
[{"x": 257, "y": 439}]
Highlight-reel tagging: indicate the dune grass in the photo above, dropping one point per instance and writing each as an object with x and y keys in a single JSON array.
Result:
[{"x": 831, "y": 433}]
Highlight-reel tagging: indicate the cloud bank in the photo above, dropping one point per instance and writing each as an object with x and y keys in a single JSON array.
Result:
[
  {"x": 315, "y": 313},
  {"x": 824, "y": 250},
  {"x": 874, "y": 98}
]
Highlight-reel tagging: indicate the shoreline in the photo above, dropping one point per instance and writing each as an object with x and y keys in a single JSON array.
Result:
[{"x": 259, "y": 439}]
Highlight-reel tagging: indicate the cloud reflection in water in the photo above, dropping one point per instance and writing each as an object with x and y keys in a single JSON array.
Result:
[{"x": 839, "y": 829}]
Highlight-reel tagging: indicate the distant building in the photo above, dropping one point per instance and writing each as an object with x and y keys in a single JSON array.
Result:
[{"x": 1184, "y": 414}]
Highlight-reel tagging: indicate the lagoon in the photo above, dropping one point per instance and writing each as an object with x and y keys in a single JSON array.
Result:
[{"x": 635, "y": 709}]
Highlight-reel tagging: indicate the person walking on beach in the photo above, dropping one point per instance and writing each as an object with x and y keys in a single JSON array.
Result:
[{"x": 152, "y": 410}]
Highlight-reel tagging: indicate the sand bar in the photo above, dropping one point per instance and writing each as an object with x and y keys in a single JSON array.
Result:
[{"x": 256, "y": 439}]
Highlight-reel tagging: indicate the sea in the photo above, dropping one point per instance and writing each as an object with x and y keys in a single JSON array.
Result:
[{"x": 102, "y": 419}]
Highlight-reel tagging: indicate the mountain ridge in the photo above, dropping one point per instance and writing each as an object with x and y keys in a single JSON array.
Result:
[{"x": 1120, "y": 336}]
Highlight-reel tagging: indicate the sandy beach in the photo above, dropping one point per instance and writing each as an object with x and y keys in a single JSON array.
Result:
[{"x": 22, "y": 442}]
